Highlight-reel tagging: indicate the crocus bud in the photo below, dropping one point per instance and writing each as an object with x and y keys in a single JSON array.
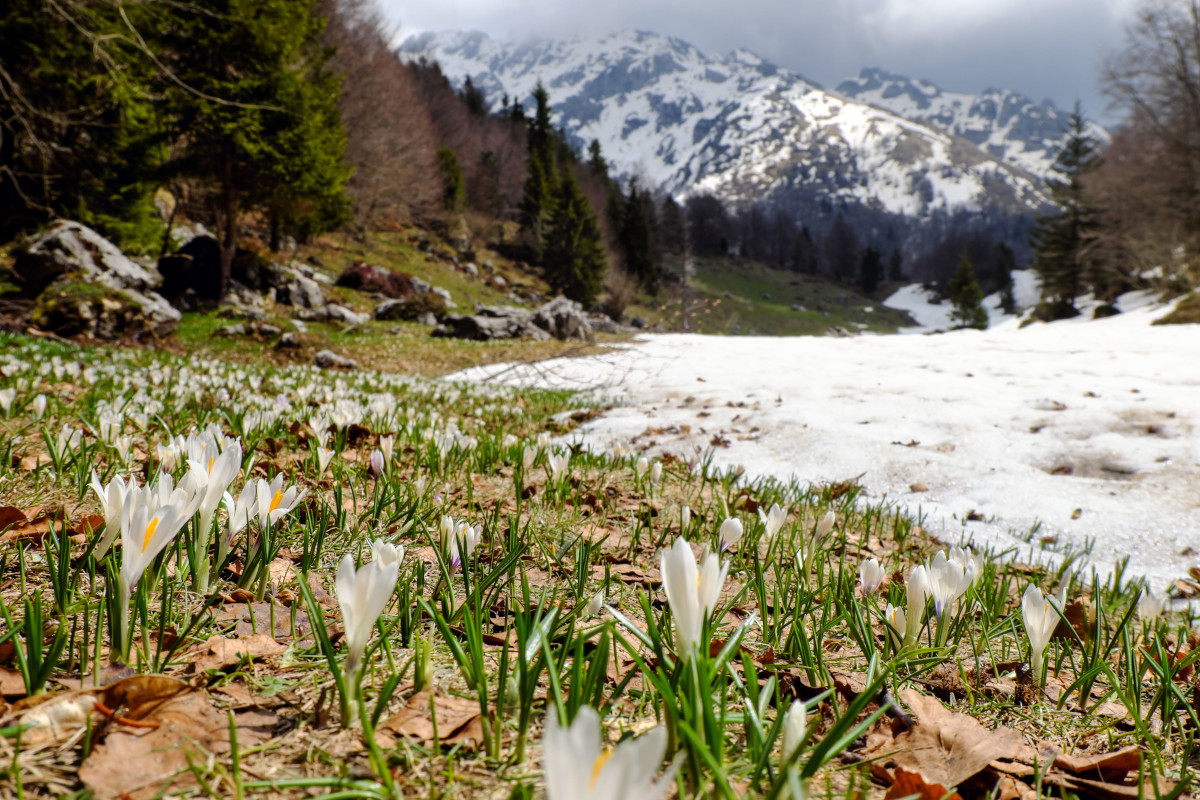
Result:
[{"x": 731, "y": 533}]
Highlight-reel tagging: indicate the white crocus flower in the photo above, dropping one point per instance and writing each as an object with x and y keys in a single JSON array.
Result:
[
  {"x": 917, "y": 589},
  {"x": 39, "y": 407},
  {"x": 641, "y": 465},
  {"x": 691, "y": 592},
  {"x": 731, "y": 533},
  {"x": 656, "y": 472},
  {"x": 386, "y": 445},
  {"x": 146, "y": 529},
  {"x": 825, "y": 525},
  {"x": 579, "y": 766},
  {"x": 112, "y": 502},
  {"x": 7, "y": 396},
  {"x": 969, "y": 560},
  {"x": 273, "y": 502},
  {"x": 543, "y": 440},
  {"x": 772, "y": 520},
  {"x": 870, "y": 575},
  {"x": 894, "y": 617},
  {"x": 1040, "y": 615},
  {"x": 376, "y": 464},
  {"x": 795, "y": 725},
  {"x": 217, "y": 469},
  {"x": 462, "y": 539},
  {"x": 67, "y": 440},
  {"x": 948, "y": 581},
  {"x": 556, "y": 464},
  {"x": 324, "y": 456},
  {"x": 595, "y": 604},
  {"x": 685, "y": 516},
  {"x": 1150, "y": 605},
  {"x": 362, "y": 596}
]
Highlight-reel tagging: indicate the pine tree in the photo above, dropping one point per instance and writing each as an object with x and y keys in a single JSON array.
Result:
[
  {"x": 804, "y": 253},
  {"x": 596, "y": 162},
  {"x": 896, "y": 266},
  {"x": 538, "y": 198},
  {"x": 967, "y": 297},
  {"x": 870, "y": 271},
  {"x": 255, "y": 108},
  {"x": 672, "y": 229},
  {"x": 1061, "y": 241},
  {"x": 77, "y": 118},
  {"x": 1005, "y": 262},
  {"x": 575, "y": 259},
  {"x": 454, "y": 195},
  {"x": 636, "y": 236}
]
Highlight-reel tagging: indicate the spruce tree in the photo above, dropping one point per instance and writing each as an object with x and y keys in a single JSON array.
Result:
[
  {"x": 541, "y": 176},
  {"x": 454, "y": 193},
  {"x": 896, "y": 266},
  {"x": 1061, "y": 240},
  {"x": 804, "y": 253},
  {"x": 636, "y": 236},
  {"x": 870, "y": 271},
  {"x": 967, "y": 297},
  {"x": 575, "y": 259},
  {"x": 1005, "y": 262},
  {"x": 255, "y": 110}
]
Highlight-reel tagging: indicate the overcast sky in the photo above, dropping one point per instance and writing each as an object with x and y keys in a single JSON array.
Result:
[{"x": 1041, "y": 48}]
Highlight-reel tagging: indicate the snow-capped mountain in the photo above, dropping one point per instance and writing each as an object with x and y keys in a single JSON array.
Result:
[
  {"x": 1007, "y": 125},
  {"x": 738, "y": 126}
]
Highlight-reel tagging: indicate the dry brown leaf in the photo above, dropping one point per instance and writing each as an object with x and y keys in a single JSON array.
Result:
[
  {"x": 1103, "y": 765},
  {"x": 1106, "y": 790},
  {"x": 457, "y": 720},
  {"x": 946, "y": 747},
  {"x": 140, "y": 762},
  {"x": 220, "y": 653},
  {"x": 256, "y": 618},
  {"x": 908, "y": 784},
  {"x": 11, "y": 683},
  {"x": 11, "y": 517}
]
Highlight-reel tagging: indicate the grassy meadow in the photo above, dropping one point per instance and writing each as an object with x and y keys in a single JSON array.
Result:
[{"x": 227, "y": 578}]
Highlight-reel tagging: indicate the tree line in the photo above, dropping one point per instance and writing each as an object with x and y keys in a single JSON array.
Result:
[{"x": 287, "y": 118}]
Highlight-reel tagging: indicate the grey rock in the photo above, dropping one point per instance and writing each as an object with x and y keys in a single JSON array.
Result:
[
  {"x": 299, "y": 326},
  {"x": 410, "y": 308},
  {"x": 499, "y": 282},
  {"x": 237, "y": 329},
  {"x": 798, "y": 307},
  {"x": 289, "y": 341},
  {"x": 445, "y": 295},
  {"x": 563, "y": 319},
  {"x": 268, "y": 330},
  {"x": 484, "y": 327},
  {"x": 470, "y": 269},
  {"x": 602, "y": 323},
  {"x": 71, "y": 247},
  {"x": 421, "y": 285},
  {"x": 638, "y": 322},
  {"x": 72, "y": 251},
  {"x": 427, "y": 318},
  {"x": 327, "y": 359},
  {"x": 301, "y": 292},
  {"x": 338, "y": 313}
]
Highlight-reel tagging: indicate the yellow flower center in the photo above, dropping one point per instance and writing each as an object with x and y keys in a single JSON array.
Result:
[
  {"x": 149, "y": 533},
  {"x": 276, "y": 500},
  {"x": 210, "y": 463},
  {"x": 598, "y": 766}
]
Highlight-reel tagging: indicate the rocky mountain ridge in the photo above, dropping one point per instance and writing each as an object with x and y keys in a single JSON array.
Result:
[{"x": 748, "y": 130}]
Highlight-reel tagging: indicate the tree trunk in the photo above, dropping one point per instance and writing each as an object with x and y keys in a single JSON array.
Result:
[{"x": 229, "y": 239}]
